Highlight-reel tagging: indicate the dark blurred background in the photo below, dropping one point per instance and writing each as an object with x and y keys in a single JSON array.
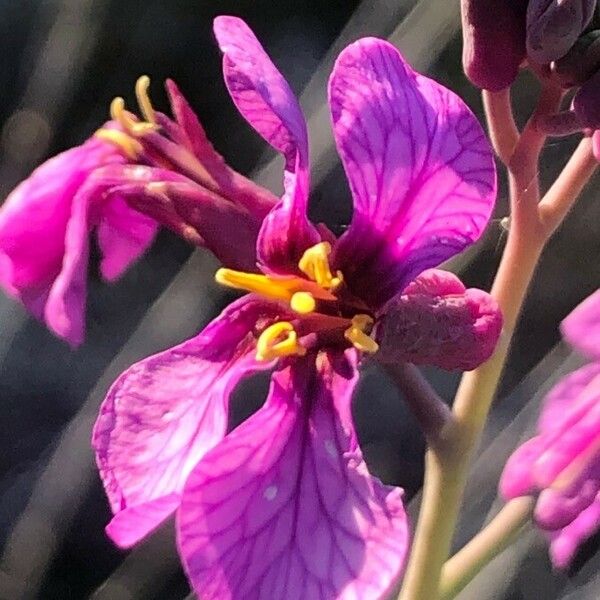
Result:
[{"x": 62, "y": 63}]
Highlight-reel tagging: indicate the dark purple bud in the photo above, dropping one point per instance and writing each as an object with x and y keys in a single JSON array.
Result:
[
  {"x": 565, "y": 122},
  {"x": 553, "y": 26},
  {"x": 586, "y": 102},
  {"x": 580, "y": 63},
  {"x": 493, "y": 41}
]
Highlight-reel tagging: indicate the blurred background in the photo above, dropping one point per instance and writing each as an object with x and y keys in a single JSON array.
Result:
[{"x": 62, "y": 63}]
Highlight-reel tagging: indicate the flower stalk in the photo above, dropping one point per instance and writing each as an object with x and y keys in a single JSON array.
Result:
[
  {"x": 493, "y": 539},
  {"x": 447, "y": 464}
]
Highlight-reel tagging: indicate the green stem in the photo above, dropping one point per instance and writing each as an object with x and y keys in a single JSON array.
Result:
[
  {"x": 447, "y": 464},
  {"x": 493, "y": 539}
]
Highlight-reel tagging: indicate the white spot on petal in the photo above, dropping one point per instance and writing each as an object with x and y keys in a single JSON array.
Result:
[
  {"x": 331, "y": 449},
  {"x": 270, "y": 492}
]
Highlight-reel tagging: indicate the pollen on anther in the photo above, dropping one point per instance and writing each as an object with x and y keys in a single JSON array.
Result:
[{"x": 303, "y": 303}]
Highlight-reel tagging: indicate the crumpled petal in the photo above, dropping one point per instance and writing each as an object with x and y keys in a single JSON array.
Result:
[
  {"x": 582, "y": 327},
  {"x": 437, "y": 321},
  {"x": 553, "y": 26},
  {"x": 165, "y": 412},
  {"x": 265, "y": 99},
  {"x": 227, "y": 182},
  {"x": 201, "y": 217},
  {"x": 420, "y": 168},
  {"x": 284, "y": 507},
  {"x": 564, "y": 543},
  {"x": 124, "y": 234},
  {"x": 493, "y": 41},
  {"x": 34, "y": 219}
]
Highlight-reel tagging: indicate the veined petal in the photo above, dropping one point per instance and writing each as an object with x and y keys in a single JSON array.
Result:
[
  {"x": 582, "y": 327},
  {"x": 420, "y": 168},
  {"x": 165, "y": 412},
  {"x": 284, "y": 506},
  {"x": 436, "y": 321},
  {"x": 124, "y": 234},
  {"x": 265, "y": 99}
]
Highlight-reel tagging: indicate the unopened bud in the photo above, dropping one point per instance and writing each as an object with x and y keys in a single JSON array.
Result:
[
  {"x": 553, "y": 26},
  {"x": 580, "y": 63},
  {"x": 586, "y": 102},
  {"x": 493, "y": 41}
]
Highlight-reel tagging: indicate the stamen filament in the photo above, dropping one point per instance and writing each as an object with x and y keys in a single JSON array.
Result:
[
  {"x": 271, "y": 345},
  {"x": 119, "y": 114}
]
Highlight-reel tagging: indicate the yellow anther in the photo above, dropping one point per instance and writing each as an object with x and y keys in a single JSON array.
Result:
[
  {"x": 357, "y": 336},
  {"x": 315, "y": 265},
  {"x": 303, "y": 303},
  {"x": 132, "y": 148},
  {"x": 277, "y": 340},
  {"x": 141, "y": 93},
  {"x": 131, "y": 126}
]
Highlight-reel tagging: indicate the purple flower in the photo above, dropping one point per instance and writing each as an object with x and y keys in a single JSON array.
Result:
[
  {"x": 562, "y": 463},
  {"x": 127, "y": 178},
  {"x": 283, "y": 505}
]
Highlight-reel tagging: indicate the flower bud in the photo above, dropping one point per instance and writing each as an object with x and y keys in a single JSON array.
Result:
[
  {"x": 553, "y": 26},
  {"x": 580, "y": 63},
  {"x": 586, "y": 102},
  {"x": 493, "y": 41}
]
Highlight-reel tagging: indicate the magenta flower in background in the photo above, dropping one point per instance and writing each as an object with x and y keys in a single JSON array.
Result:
[
  {"x": 283, "y": 506},
  {"x": 562, "y": 463},
  {"x": 127, "y": 178}
]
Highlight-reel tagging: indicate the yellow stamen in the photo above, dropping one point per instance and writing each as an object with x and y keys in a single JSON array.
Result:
[
  {"x": 272, "y": 345},
  {"x": 132, "y": 148},
  {"x": 131, "y": 126},
  {"x": 357, "y": 336},
  {"x": 303, "y": 303},
  {"x": 141, "y": 93},
  {"x": 315, "y": 264},
  {"x": 278, "y": 289}
]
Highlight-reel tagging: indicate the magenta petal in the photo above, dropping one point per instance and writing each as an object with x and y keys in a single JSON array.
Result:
[
  {"x": 517, "y": 477},
  {"x": 284, "y": 506},
  {"x": 420, "y": 168},
  {"x": 34, "y": 219},
  {"x": 124, "y": 234},
  {"x": 582, "y": 327},
  {"x": 165, "y": 412},
  {"x": 564, "y": 543},
  {"x": 436, "y": 321},
  {"x": 265, "y": 99},
  {"x": 134, "y": 523}
]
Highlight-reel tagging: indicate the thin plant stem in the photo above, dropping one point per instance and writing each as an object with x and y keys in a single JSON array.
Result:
[
  {"x": 494, "y": 538},
  {"x": 447, "y": 464},
  {"x": 431, "y": 412},
  {"x": 562, "y": 195},
  {"x": 503, "y": 132}
]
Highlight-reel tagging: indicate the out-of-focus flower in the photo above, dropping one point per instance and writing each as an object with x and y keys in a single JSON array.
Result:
[
  {"x": 283, "y": 504},
  {"x": 127, "y": 178},
  {"x": 562, "y": 463},
  {"x": 493, "y": 41},
  {"x": 553, "y": 26}
]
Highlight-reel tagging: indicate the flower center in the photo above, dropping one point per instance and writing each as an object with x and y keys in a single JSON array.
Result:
[{"x": 324, "y": 316}]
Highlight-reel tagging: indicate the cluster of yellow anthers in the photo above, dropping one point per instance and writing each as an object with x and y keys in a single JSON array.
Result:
[
  {"x": 281, "y": 339},
  {"x": 131, "y": 127}
]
